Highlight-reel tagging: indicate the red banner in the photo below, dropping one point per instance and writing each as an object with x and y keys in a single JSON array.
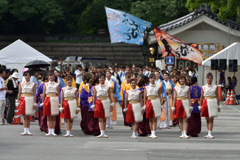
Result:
[{"x": 171, "y": 45}]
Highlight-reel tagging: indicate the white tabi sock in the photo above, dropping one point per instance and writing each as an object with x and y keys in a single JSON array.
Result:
[
  {"x": 49, "y": 131},
  {"x": 134, "y": 134},
  {"x": 53, "y": 131},
  {"x": 153, "y": 133},
  {"x": 25, "y": 130},
  {"x": 102, "y": 132},
  {"x": 184, "y": 133},
  {"x": 209, "y": 133},
  {"x": 68, "y": 132}
]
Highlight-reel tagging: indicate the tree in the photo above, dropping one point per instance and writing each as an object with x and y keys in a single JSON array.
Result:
[
  {"x": 29, "y": 16},
  {"x": 224, "y": 8},
  {"x": 155, "y": 11},
  {"x": 94, "y": 16}
]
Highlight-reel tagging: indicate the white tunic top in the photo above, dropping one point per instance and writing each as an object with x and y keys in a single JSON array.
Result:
[
  {"x": 133, "y": 94},
  {"x": 69, "y": 91},
  {"x": 182, "y": 91},
  {"x": 51, "y": 87},
  {"x": 209, "y": 90},
  {"x": 27, "y": 87},
  {"x": 102, "y": 90},
  {"x": 152, "y": 90}
]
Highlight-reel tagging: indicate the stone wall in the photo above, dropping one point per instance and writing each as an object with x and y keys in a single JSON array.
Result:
[{"x": 121, "y": 53}]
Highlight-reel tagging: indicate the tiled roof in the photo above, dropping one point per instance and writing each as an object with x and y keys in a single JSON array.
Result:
[{"x": 204, "y": 10}]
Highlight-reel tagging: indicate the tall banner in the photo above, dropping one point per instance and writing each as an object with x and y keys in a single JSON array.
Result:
[
  {"x": 124, "y": 27},
  {"x": 171, "y": 45}
]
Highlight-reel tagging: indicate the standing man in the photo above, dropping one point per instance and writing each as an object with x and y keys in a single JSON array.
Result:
[
  {"x": 79, "y": 74},
  {"x": 2, "y": 95},
  {"x": 12, "y": 86}
]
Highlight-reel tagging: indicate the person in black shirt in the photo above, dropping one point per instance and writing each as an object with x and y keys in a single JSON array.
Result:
[{"x": 12, "y": 86}]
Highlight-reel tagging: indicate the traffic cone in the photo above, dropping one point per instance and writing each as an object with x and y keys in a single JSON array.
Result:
[
  {"x": 220, "y": 93},
  {"x": 231, "y": 102},
  {"x": 17, "y": 119},
  {"x": 227, "y": 100},
  {"x": 31, "y": 119}
]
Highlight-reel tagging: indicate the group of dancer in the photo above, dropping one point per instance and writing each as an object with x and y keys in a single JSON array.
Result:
[{"x": 147, "y": 103}]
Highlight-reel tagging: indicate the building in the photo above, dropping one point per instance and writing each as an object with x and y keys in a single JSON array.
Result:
[{"x": 201, "y": 27}]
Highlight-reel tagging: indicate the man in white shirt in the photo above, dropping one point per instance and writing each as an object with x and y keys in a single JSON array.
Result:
[
  {"x": 79, "y": 74},
  {"x": 2, "y": 95}
]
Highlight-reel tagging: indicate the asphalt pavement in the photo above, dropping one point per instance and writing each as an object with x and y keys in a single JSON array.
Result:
[{"x": 118, "y": 146}]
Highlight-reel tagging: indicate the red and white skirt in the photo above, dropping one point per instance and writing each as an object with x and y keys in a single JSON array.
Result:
[
  {"x": 66, "y": 110},
  {"x": 99, "y": 110},
  {"x": 209, "y": 108},
  {"x": 134, "y": 113},
  {"x": 179, "y": 110},
  {"x": 26, "y": 106},
  {"x": 50, "y": 106}
]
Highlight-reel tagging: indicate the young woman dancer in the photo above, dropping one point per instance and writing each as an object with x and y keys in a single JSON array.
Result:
[
  {"x": 133, "y": 107},
  {"x": 152, "y": 101},
  {"x": 27, "y": 101},
  {"x": 69, "y": 105},
  {"x": 103, "y": 106},
  {"x": 209, "y": 104},
  {"x": 51, "y": 103},
  {"x": 181, "y": 105}
]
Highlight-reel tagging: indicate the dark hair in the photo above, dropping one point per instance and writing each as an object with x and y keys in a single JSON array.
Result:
[
  {"x": 68, "y": 78},
  {"x": 194, "y": 80},
  {"x": 172, "y": 76},
  {"x": 135, "y": 74},
  {"x": 88, "y": 79},
  {"x": 33, "y": 71},
  {"x": 79, "y": 66},
  {"x": 2, "y": 70},
  {"x": 101, "y": 75},
  {"x": 50, "y": 73},
  {"x": 209, "y": 74},
  {"x": 229, "y": 78},
  {"x": 182, "y": 77},
  {"x": 26, "y": 73},
  {"x": 165, "y": 73},
  {"x": 141, "y": 82},
  {"x": 92, "y": 82},
  {"x": 13, "y": 70},
  {"x": 152, "y": 76},
  {"x": 3, "y": 66},
  {"x": 44, "y": 77},
  {"x": 132, "y": 80}
]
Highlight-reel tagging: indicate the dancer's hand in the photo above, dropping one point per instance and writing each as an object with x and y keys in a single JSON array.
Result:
[{"x": 111, "y": 108}]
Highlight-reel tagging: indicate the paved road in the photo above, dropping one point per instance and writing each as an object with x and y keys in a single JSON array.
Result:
[{"x": 226, "y": 144}]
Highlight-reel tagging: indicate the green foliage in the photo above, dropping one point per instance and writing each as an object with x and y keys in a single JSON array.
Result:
[
  {"x": 94, "y": 16},
  {"x": 155, "y": 11},
  {"x": 223, "y": 8},
  {"x": 29, "y": 16}
]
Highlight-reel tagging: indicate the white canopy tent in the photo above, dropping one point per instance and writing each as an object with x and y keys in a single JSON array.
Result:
[
  {"x": 229, "y": 53},
  {"x": 18, "y": 54}
]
